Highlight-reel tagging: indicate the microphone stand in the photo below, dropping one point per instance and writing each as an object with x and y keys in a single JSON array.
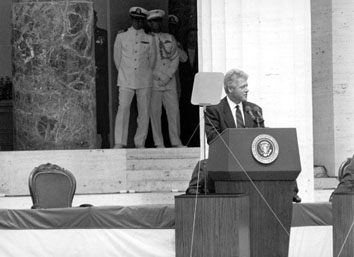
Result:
[
  {"x": 259, "y": 118},
  {"x": 258, "y": 122},
  {"x": 204, "y": 153}
]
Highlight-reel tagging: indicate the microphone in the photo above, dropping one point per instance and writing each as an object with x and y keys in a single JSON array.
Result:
[
  {"x": 258, "y": 112},
  {"x": 249, "y": 111}
]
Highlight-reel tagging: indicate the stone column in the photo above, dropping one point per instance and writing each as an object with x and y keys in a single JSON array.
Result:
[
  {"x": 333, "y": 79},
  {"x": 271, "y": 41},
  {"x": 343, "y": 80},
  {"x": 322, "y": 84},
  {"x": 53, "y": 75}
]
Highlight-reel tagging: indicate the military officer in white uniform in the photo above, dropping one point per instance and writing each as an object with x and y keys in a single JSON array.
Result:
[
  {"x": 164, "y": 89},
  {"x": 134, "y": 57}
]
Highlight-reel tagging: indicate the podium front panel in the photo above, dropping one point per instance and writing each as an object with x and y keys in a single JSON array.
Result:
[
  {"x": 212, "y": 225},
  {"x": 232, "y": 154}
]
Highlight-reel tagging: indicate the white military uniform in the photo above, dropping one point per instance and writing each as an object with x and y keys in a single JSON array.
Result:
[
  {"x": 164, "y": 91},
  {"x": 134, "y": 57}
]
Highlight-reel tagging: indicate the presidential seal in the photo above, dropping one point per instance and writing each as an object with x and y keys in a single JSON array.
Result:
[{"x": 265, "y": 149}]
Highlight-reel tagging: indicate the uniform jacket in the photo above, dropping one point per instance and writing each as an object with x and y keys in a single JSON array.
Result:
[
  {"x": 134, "y": 57},
  {"x": 219, "y": 117},
  {"x": 167, "y": 61}
]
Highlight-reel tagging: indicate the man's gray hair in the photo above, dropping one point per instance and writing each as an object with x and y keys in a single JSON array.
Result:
[{"x": 234, "y": 72}]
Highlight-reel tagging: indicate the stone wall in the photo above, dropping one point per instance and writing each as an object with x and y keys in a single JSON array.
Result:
[{"x": 104, "y": 171}]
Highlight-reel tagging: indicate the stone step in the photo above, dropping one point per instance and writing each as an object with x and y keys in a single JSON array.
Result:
[
  {"x": 147, "y": 193},
  {"x": 322, "y": 195},
  {"x": 124, "y": 199},
  {"x": 166, "y": 175},
  {"x": 326, "y": 183},
  {"x": 104, "y": 171},
  {"x": 161, "y": 180},
  {"x": 324, "y": 187},
  {"x": 114, "y": 170},
  {"x": 163, "y": 153},
  {"x": 161, "y": 164},
  {"x": 160, "y": 169}
]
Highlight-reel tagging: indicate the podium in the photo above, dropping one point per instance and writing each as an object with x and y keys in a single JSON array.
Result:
[
  {"x": 212, "y": 225},
  {"x": 263, "y": 163},
  {"x": 343, "y": 216}
]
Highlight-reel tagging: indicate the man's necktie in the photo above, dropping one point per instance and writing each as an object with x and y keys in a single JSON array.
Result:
[{"x": 239, "y": 119}]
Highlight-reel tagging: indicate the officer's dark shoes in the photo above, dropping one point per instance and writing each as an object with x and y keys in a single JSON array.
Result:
[{"x": 296, "y": 199}]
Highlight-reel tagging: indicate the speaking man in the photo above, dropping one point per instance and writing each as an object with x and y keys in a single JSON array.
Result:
[{"x": 233, "y": 111}]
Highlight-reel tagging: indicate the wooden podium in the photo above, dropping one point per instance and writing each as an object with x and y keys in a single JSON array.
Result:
[
  {"x": 220, "y": 224},
  {"x": 263, "y": 163},
  {"x": 343, "y": 217}
]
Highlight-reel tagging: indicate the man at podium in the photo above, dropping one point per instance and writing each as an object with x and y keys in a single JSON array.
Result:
[{"x": 233, "y": 111}]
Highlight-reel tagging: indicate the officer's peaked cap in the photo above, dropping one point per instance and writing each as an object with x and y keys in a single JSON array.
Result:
[
  {"x": 173, "y": 19},
  {"x": 138, "y": 12},
  {"x": 155, "y": 14}
]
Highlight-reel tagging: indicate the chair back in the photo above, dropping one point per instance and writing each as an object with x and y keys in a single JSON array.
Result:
[
  {"x": 346, "y": 179},
  {"x": 51, "y": 186},
  {"x": 341, "y": 169}
]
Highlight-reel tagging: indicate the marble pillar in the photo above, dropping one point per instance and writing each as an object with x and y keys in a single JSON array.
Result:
[{"x": 53, "y": 75}]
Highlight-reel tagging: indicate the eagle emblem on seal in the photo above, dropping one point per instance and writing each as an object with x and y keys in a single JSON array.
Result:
[{"x": 265, "y": 149}]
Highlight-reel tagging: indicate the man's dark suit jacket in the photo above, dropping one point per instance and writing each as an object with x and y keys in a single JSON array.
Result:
[{"x": 219, "y": 117}]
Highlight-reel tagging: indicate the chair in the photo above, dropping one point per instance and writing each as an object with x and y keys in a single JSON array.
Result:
[
  {"x": 341, "y": 169},
  {"x": 346, "y": 182},
  {"x": 51, "y": 187}
]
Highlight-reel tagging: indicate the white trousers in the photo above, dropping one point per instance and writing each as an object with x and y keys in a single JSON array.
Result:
[
  {"x": 122, "y": 119},
  {"x": 169, "y": 100}
]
